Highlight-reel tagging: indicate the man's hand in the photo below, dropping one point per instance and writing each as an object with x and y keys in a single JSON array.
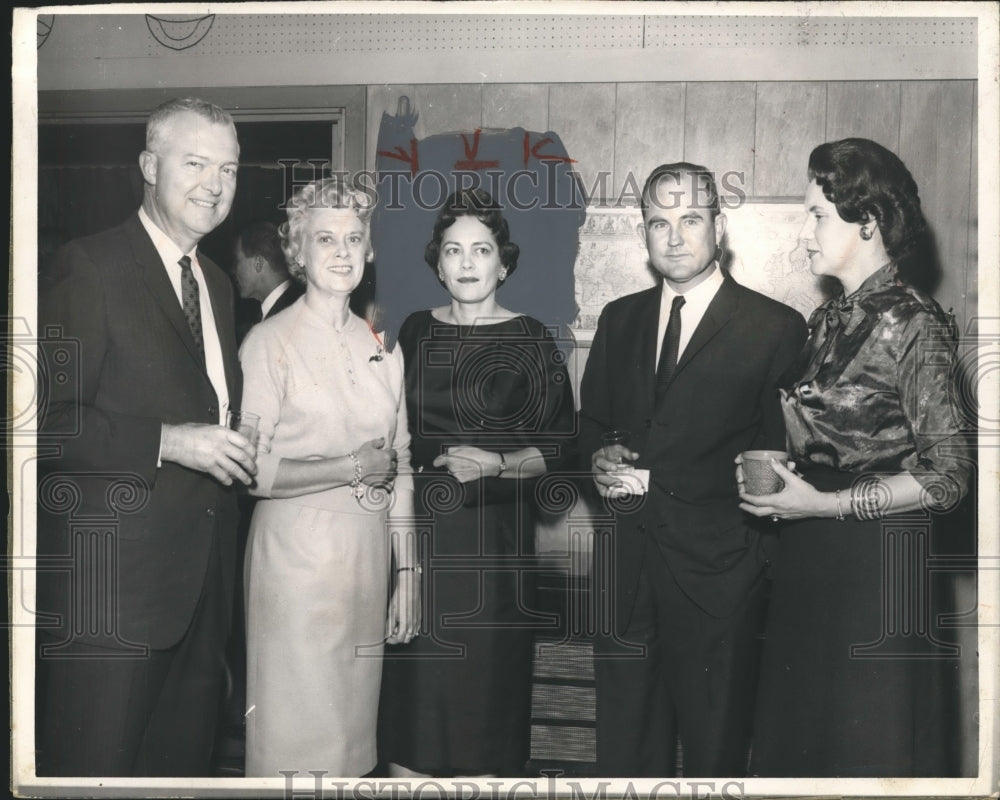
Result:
[
  {"x": 605, "y": 463},
  {"x": 224, "y": 454}
]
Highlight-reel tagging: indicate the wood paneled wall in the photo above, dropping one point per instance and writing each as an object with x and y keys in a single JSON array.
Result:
[{"x": 763, "y": 130}]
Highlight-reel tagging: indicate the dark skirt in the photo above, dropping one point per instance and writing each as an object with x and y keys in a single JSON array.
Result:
[
  {"x": 456, "y": 700},
  {"x": 857, "y": 678}
]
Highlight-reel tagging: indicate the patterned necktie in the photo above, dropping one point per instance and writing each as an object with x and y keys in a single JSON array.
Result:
[
  {"x": 671, "y": 344},
  {"x": 191, "y": 303}
]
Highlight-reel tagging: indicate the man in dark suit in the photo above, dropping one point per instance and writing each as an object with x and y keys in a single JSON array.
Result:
[
  {"x": 260, "y": 273},
  {"x": 129, "y": 683},
  {"x": 690, "y": 368}
]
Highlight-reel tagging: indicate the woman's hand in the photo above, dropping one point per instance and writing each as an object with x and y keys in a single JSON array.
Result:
[
  {"x": 378, "y": 464},
  {"x": 403, "y": 620},
  {"x": 798, "y": 500},
  {"x": 469, "y": 463}
]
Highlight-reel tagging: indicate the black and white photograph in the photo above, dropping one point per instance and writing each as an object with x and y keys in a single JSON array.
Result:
[{"x": 504, "y": 400}]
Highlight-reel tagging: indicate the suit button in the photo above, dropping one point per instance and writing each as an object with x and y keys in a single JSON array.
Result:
[
  {"x": 648, "y": 424},
  {"x": 210, "y": 512},
  {"x": 642, "y": 529},
  {"x": 213, "y": 411}
]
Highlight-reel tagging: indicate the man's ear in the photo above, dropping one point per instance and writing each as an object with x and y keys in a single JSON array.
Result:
[
  {"x": 148, "y": 164},
  {"x": 258, "y": 263},
  {"x": 640, "y": 230},
  {"x": 720, "y": 227}
]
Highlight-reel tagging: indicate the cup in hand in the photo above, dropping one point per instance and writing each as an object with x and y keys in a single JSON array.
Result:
[
  {"x": 759, "y": 476},
  {"x": 612, "y": 438},
  {"x": 244, "y": 422}
]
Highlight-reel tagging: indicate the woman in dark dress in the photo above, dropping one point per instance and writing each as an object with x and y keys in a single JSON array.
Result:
[
  {"x": 855, "y": 678},
  {"x": 492, "y": 410}
]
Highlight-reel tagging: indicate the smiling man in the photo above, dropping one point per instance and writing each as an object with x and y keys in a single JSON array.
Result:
[
  {"x": 130, "y": 669},
  {"x": 690, "y": 369}
]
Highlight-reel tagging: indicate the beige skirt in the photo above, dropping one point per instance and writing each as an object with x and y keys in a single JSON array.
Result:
[{"x": 316, "y": 598}]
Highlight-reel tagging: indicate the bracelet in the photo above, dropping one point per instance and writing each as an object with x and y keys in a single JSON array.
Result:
[
  {"x": 503, "y": 465},
  {"x": 840, "y": 511},
  {"x": 356, "y": 488},
  {"x": 417, "y": 569}
]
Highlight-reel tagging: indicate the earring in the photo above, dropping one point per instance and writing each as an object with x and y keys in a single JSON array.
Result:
[
  {"x": 441, "y": 275},
  {"x": 866, "y": 234},
  {"x": 503, "y": 274}
]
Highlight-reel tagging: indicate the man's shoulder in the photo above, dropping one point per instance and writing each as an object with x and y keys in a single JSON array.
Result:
[
  {"x": 113, "y": 237},
  {"x": 629, "y": 303},
  {"x": 754, "y": 302}
]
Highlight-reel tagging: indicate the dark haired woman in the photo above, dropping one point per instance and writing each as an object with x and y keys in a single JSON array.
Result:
[
  {"x": 492, "y": 410},
  {"x": 853, "y": 680}
]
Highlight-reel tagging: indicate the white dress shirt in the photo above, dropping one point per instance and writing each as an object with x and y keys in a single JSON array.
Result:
[
  {"x": 170, "y": 255},
  {"x": 696, "y": 302},
  {"x": 272, "y": 298}
]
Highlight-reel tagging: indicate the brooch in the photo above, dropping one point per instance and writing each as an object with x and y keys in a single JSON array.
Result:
[{"x": 379, "y": 349}]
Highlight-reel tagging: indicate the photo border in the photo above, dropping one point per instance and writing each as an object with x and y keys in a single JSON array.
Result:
[{"x": 22, "y": 452}]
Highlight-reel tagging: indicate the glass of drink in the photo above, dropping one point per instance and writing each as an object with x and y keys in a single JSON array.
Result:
[
  {"x": 614, "y": 443},
  {"x": 244, "y": 422}
]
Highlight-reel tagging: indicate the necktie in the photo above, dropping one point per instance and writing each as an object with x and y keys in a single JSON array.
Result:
[
  {"x": 191, "y": 303},
  {"x": 671, "y": 344}
]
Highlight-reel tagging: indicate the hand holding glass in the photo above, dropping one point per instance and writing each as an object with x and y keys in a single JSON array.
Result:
[
  {"x": 759, "y": 476},
  {"x": 613, "y": 438},
  {"x": 244, "y": 422}
]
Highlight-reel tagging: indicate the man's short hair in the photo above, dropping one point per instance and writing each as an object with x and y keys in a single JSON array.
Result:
[
  {"x": 674, "y": 172},
  {"x": 261, "y": 238},
  {"x": 158, "y": 121}
]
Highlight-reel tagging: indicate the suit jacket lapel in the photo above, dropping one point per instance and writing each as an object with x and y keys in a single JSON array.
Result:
[
  {"x": 718, "y": 313},
  {"x": 649, "y": 319},
  {"x": 155, "y": 276}
]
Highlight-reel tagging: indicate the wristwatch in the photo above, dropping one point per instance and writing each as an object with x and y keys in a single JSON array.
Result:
[{"x": 503, "y": 465}]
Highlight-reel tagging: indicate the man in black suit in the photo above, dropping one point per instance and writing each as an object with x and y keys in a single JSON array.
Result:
[
  {"x": 690, "y": 368},
  {"x": 129, "y": 684},
  {"x": 260, "y": 272}
]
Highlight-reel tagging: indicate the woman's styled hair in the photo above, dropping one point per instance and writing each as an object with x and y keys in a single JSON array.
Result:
[
  {"x": 332, "y": 192},
  {"x": 481, "y": 205},
  {"x": 866, "y": 182}
]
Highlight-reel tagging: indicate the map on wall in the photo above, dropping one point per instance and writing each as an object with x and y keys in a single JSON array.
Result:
[{"x": 763, "y": 253}]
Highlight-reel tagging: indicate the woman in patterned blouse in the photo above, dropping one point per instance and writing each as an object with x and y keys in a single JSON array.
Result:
[{"x": 856, "y": 679}]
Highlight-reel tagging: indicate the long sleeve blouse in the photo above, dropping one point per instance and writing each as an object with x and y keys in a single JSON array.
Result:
[{"x": 877, "y": 391}]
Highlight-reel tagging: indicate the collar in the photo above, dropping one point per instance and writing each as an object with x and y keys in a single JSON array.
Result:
[
  {"x": 700, "y": 295},
  {"x": 848, "y": 312},
  {"x": 882, "y": 278},
  {"x": 268, "y": 303},
  {"x": 168, "y": 250}
]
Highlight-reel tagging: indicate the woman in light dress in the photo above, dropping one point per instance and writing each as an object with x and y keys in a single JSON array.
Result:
[{"x": 334, "y": 478}]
